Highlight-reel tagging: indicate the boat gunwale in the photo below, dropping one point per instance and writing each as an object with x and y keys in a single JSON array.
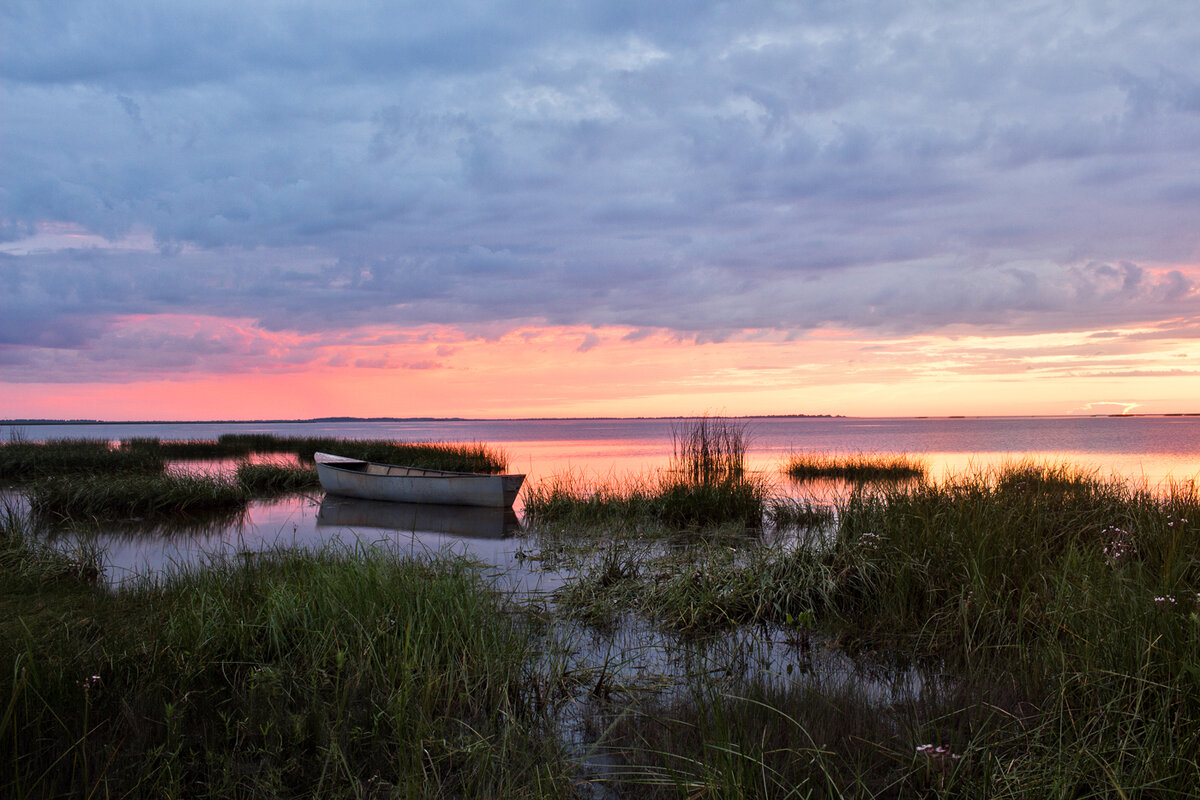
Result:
[{"x": 426, "y": 472}]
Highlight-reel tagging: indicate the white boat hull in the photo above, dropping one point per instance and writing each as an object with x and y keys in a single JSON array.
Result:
[{"x": 368, "y": 480}]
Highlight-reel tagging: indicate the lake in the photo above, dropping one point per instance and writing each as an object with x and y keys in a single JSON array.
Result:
[{"x": 1150, "y": 449}]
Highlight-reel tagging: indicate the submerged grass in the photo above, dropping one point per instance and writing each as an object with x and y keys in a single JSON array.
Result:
[
  {"x": 855, "y": 467},
  {"x": 329, "y": 674}
]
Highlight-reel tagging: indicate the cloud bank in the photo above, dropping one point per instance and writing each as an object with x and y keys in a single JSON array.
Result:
[{"x": 707, "y": 170}]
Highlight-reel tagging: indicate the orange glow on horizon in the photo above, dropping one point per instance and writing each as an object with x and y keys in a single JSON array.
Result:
[{"x": 233, "y": 369}]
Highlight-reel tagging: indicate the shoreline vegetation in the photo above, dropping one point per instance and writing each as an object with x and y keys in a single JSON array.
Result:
[
  {"x": 87, "y": 479},
  {"x": 1026, "y": 631}
]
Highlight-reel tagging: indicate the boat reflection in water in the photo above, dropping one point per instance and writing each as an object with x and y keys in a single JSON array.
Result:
[{"x": 475, "y": 522}]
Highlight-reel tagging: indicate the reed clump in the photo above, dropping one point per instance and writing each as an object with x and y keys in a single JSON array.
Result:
[
  {"x": 115, "y": 497},
  {"x": 709, "y": 450},
  {"x": 455, "y": 457},
  {"x": 707, "y": 485},
  {"x": 665, "y": 502},
  {"x": 266, "y": 478},
  {"x": 187, "y": 449},
  {"x": 325, "y": 675},
  {"x": 854, "y": 467},
  {"x": 21, "y": 462}
]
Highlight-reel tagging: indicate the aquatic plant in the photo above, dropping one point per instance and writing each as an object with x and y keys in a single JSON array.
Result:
[
  {"x": 125, "y": 496},
  {"x": 22, "y": 461},
  {"x": 706, "y": 485},
  {"x": 272, "y": 478},
  {"x": 1067, "y": 673},
  {"x": 709, "y": 450},
  {"x": 854, "y": 467},
  {"x": 665, "y": 501}
]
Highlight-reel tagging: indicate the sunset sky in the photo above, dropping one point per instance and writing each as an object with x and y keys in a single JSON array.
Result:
[{"x": 223, "y": 210}]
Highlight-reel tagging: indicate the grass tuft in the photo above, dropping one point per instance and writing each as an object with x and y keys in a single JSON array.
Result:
[
  {"x": 122, "y": 497},
  {"x": 856, "y": 467},
  {"x": 267, "y": 478},
  {"x": 328, "y": 675},
  {"x": 22, "y": 462}
]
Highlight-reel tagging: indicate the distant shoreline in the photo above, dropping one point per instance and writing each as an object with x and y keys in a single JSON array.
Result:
[
  {"x": 376, "y": 419},
  {"x": 309, "y": 421}
]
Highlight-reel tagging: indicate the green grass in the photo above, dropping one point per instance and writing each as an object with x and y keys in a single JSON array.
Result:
[
  {"x": 706, "y": 486},
  {"x": 320, "y": 675},
  {"x": 21, "y": 462},
  {"x": 709, "y": 450},
  {"x": 115, "y": 497},
  {"x": 855, "y": 467},
  {"x": 1064, "y": 610},
  {"x": 469, "y": 457},
  {"x": 667, "y": 502},
  {"x": 1053, "y": 617},
  {"x": 191, "y": 449},
  {"x": 267, "y": 478}
]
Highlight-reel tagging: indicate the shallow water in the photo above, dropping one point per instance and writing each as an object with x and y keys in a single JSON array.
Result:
[
  {"x": 1144, "y": 449},
  {"x": 1153, "y": 447}
]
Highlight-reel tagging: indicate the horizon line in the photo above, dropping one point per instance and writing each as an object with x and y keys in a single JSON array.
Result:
[{"x": 340, "y": 419}]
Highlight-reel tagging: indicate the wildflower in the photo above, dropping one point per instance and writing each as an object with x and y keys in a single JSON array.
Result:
[
  {"x": 939, "y": 757},
  {"x": 1165, "y": 601},
  {"x": 1120, "y": 545}
]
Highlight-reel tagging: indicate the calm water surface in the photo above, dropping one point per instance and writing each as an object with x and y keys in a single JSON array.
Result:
[{"x": 1149, "y": 449}]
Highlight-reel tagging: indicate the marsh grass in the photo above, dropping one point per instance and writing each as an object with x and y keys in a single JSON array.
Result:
[
  {"x": 1066, "y": 605},
  {"x": 661, "y": 503},
  {"x": 807, "y": 739},
  {"x": 787, "y": 512},
  {"x": 709, "y": 450},
  {"x": 272, "y": 478},
  {"x": 329, "y": 675},
  {"x": 22, "y": 461},
  {"x": 29, "y": 561},
  {"x": 854, "y": 467},
  {"x": 457, "y": 457},
  {"x": 706, "y": 486},
  {"x": 109, "y": 497}
]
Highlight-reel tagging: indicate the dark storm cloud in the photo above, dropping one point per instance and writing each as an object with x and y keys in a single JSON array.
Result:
[{"x": 707, "y": 171}]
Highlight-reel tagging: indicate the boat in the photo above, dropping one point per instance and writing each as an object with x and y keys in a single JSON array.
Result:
[{"x": 368, "y": 480}]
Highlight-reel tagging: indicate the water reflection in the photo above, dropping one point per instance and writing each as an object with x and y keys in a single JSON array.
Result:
[{"x": 474, "y": 523}]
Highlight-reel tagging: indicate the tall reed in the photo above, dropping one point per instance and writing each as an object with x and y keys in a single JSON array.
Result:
[
  {"x": 706, "y": 485},
  {"x": 709, "y": 450}
]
